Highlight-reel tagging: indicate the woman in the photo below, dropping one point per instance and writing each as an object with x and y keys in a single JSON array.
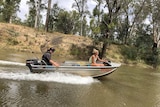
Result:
[{"x": 93, "y": 59}]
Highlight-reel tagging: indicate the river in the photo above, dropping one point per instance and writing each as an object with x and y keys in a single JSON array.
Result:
[{"x": 126, "y": 87}]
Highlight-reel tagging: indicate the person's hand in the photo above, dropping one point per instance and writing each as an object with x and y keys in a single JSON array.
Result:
[
  {"x": 54, "y": 63},
  {"x": 57, "y": 65}
]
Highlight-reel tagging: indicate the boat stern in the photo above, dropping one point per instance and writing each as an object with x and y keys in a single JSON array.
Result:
[{"x": 31, "y": 61}]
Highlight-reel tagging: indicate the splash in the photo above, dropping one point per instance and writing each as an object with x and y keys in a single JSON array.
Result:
[
  {"x": 2, "y": 62},
  {"x": 21, "y": 74},
  {"x": 49, "y": 77}
]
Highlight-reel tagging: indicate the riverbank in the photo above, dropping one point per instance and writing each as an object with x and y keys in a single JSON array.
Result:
[{"x": 25, "y": 39}]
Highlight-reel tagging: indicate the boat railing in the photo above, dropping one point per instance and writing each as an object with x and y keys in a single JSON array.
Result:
[{"x": 43, "y": 62}]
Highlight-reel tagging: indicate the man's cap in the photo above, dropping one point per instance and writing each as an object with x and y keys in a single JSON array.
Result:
[{"x": 52, "y": 49}]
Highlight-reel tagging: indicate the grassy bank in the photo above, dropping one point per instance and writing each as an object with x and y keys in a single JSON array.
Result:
[{"x": 25, "y": 39}]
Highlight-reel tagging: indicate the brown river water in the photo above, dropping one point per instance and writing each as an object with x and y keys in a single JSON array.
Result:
[{"x": 126, "y": 87}]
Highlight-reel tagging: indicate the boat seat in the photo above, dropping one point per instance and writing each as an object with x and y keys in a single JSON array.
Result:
[
  {"x": 88, "y": 64},
  {"x": 75, "y": 64},
  {"x": 43, "y": 62}
]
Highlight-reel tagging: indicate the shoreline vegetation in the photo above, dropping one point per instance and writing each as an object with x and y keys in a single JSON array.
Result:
[{"x": 25, "y": 39}]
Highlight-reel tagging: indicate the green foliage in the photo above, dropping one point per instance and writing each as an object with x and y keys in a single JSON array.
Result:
[
  {"x": 32, "y": 12},
  {"x": 31, "y": 19},
  {"x": 85, "y": 28},
  {"x": 82, "y": 8},
  {"x": 94, "y": 28},
  {"x": 76, "y": 22},
  {"x": 64, "y": 23},
  {"x": 129, "y": 52},
  {"x": 124, "y": 21},
  {"x": 8, "y": 9},
  {"x": 34, "y": 18},
  {"x": 96, "y": 11},
  {"x": 53, "y": 17},
  {"x": 82, "y": 53},
  {"x": 144, "y": 44},
  {"x": 152, "y": 57}
]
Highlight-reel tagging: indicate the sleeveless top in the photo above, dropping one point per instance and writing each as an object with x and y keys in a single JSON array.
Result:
[{"x": 90, "y": 60}]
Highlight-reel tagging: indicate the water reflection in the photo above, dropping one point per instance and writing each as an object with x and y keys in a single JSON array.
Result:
[
  {"x": 9, "y": 94},
  {"x": 3, "y": 89},
  {"x": 124, "y": 88},
  {"x": 133, "y": 87},
  {"x": 41, "y": 89}
]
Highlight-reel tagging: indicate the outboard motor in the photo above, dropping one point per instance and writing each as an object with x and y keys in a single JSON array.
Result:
[{"x": 31, "y": 61}]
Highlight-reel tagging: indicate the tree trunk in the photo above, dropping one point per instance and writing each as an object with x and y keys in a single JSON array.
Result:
[
  {"x": 10, "y": 19},
  {"x": 81, "y": 26},
  {"x": 113, "y": 8},
  {"x": 103, "y": 50},
  {"x": 105, "y": 44},
  {"x": 36, "y": 24},
  {"x": 155, "y": 46},
  {"x": 48, "y": 14}
]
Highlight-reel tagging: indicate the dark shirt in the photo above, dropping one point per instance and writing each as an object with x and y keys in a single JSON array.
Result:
[{"x": 46, "y": 57}]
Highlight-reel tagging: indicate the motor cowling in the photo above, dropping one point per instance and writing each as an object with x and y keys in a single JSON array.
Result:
[{"x": 31, "y": 61}]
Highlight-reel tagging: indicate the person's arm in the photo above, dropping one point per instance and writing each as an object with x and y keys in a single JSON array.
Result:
[
  {"x": 54, "y": 63},
  {"x": 101, "y": 60}
]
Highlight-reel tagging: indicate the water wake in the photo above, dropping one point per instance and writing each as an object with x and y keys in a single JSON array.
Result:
[
  {"x": 49, "y": 77},
  {"x": 19, "y": 74},
  {"x": 2, "y": 62}
]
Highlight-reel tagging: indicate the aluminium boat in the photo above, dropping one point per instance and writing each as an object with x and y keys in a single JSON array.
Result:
[{"x": 73, "y": 67}]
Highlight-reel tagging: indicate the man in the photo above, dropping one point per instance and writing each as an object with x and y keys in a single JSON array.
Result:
[{"x": 47, "y": 57}]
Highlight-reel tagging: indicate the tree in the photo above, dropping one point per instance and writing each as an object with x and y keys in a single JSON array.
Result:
[
  {"x": 34, "y": 17},
  {"x": 76, "y": 22},
  {"x": 138, "y": 17},
  {"x": 113, "y": 7},
  {"x": 8, "y": 9},
  {"x": 1, "y": 7},
  {"x": 97, "y": 11},
  {"x": 143, "y": 42},
  {"x": 32, "y": 13},
  {"x": 64, "y": 23},
  {"x": 96, "y": 20},
  {"x": 48, "y": 15},
  {"x": 39, "y": 6},
  {"x": 123, "y": 21},
  {"x": 134, "y": 29},
  {"x": 155, "y": 15},
  {"x": 82, "y": 8},
  {"x": 55, "y": 10}
]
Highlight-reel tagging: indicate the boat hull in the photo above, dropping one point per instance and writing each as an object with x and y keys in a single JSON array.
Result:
[{"x": 73, "y": 68}]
